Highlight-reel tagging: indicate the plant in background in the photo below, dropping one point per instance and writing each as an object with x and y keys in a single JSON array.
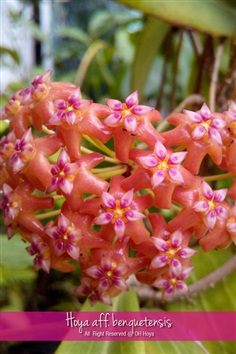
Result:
[{"x": 108, "y": 220}]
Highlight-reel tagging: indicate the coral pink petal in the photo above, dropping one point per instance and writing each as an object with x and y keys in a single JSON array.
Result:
[
  {"x": 132, "y": 100},
  {"x": 218, "y": 123},
  {"x": 119, "y": 227},
  {"x": 160, "y": 244},
  {"x": 113, "y": 119},
  {"x": 157, "y": 178},
  {"x": 220, "y": 195},
  {"x": 161, "y": 283},
  {"x": 177, "y": 157},
  {"x": 186, "y": 252},
  {"x": 185, "y": 273},
  {"x": 108, "y": 200},
  {"x": 176, "y": 239},
  {"x": 126, "y": 199},
  {"x": 66, "y": 186},
  {"x": 159, "y": 261},
  {"x": 115, "y": 105},
  {"x": 103, "y": 219},
  {"x": 60, "y": 104},
  {"x": 94, "y": 272},
  {"x": 222, "y": 212},
  {"x": 141, "y": 109},
  {"x": 182, "y": 287},
  {"x": 160, "y": 150},
  {"x": 120, "y": 284},
  {"x": 207, "y": 191},
  {"x": 130, "y": 123},
  {"x": 73, "y": 251},
  {"x": 133, "y": 215},
  {"x": 201, "y": 206},
  {"x": 148, "y": 161},
  {"x": 211, "y": 219},
  {"x": 175, "y": 175},
  {"x": 205, "y": 112},
  {"x": 215, "y": 135},
  {"x": 175, "y": 266},
  {"x": 198, "y": 132}
]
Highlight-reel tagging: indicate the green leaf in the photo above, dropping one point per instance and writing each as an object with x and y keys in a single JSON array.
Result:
[
  {"x": 215, "y": 17},
  {"x": 13, "y": 252},
  {"x": 150, "y": 41},
  {"x": 104, "y": 21},
  {"x": 127, "y": 301},
  {"x": 175, "y": 348},
  {"x": 13, "y": 275},
  {"x": 35, "y": 30},
  {"x": 13, "y": 53},
  {"x": 74, "y": 33}
]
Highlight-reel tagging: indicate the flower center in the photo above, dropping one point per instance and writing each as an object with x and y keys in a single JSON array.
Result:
[
  {"x": 232, "y": 128},
  {"x": 62, "y": 174},
  {"x": 171, "y": 252},
  {"x": 40, "y": 92},
  {"x": 110, "y": 272},
  {"x": 211, "y": 204},
  {"x": 162, "y": 165},
  {"x": 118, "y": 212},
  {"x": 173, "y": 281},
  {"x": 13, "y": 204},
  {"x": 127, "y": 112}
]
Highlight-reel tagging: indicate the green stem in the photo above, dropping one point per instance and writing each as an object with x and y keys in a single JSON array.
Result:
[
  {"x": 105, "y": 169},
  {"x": 48, "y": 214},
  {"x": 87, "y": 59},
  {"x": 99, "y": 145},
  {"x": 106, "y": 158},
  {"x": 58, "y": 197},
  {"x": 218, "y": 177},
  {"x": 175, "y": 208},
  {"x": 47, "y": 131},
  {"x": 108, "y": 174}
]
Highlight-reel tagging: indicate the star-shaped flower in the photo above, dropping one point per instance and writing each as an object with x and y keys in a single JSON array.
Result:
[
  {"x": 210, "y": 205},
  {"x": 171, "y": 252},
  {"x": 170, "y": 281},
  {"x": 201, "y": 133},
  {"x": 65, "y": 236},
  {"x": 63, "y": 174},
  {"x": 118, "y": 212},
  {"x": 130, "y": 120},
  {"x": 41, "y": 251}
]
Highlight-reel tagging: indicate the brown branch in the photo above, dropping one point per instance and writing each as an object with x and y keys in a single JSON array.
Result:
[
  {"x": 175, "y": 70},
  {"x": 168, "y": 46},
  {"x": 214, "y": 76},
  {"x": 146, "y": 292}
]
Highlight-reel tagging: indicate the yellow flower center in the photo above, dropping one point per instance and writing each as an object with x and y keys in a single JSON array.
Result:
[
  {"x": 110, "y": 272},
  {"x": 211, "y": 204},
  {"x": 171, "y": 252},
  {"x": 163, "y": 165},
  {"x": 65, "y": 236},
  {"x": 232, "y": 128},
  {"x": 127, "y": 112},
  {"x": 118, "y": 212}
]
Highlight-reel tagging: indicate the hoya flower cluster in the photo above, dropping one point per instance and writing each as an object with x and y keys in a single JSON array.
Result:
[{"x": 87, "y": 183}]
